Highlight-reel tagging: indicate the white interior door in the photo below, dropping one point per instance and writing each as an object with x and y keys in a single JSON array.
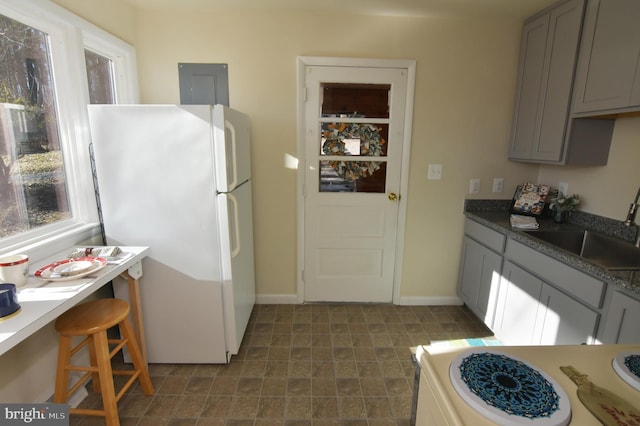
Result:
[{"x": 354, "y": 133}]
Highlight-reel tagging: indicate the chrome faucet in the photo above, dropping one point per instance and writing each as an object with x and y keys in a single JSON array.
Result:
[
  {"x": 631, "y": 217},
  {"x": 633, "y": 209}
]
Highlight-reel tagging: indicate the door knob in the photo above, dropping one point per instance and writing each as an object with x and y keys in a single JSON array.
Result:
[{"x": 393, "y": 196}]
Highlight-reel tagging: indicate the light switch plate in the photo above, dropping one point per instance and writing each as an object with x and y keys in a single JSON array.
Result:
[
  {"x": 434, "y": 172},
  {"x": 563, "y": 187},
  {"x": 498, "y": 183},
  {"x": 474, "y": 186}
]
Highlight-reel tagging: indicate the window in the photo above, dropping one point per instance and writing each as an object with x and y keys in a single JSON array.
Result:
[
  {"x": 100, "y": 78},
  {"x": 33, "y": 188},
  {"x": 46, "y": 186}
]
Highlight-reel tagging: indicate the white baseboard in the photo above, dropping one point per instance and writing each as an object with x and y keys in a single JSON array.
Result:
[
  {"x": 292, "y": 299},
  {"x": 430, "y": 301},
  {"x": 77, "y": 397},
  {"x": 276, "y": 299}
]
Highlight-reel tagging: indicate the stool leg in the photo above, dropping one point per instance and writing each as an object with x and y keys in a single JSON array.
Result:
[
  {"x": 95, "y": 377},
  {"x": 62, "y": 374},
  {"x": 103, "y": 361},
  {"x": 136, "y": 357}
]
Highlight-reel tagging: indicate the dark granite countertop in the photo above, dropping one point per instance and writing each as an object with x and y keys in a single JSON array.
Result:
[{"x": 495, "y": 216}]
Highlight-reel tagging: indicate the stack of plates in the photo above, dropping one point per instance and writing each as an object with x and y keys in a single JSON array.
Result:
[
  {"x": 507, "y": 390},
  {"x": 71, "y": 269}
]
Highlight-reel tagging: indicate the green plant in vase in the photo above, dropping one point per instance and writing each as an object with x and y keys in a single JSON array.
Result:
[{"x": 562, "y": 206}]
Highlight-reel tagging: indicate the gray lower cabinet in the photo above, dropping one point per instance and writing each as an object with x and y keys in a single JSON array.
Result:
[
  {"x": 517, "y": 307},
  {"x": 532, "y": 312},
  {"x": 608, "y": 71},
  {"x": 524, "y": 308},
  {"x": 527, "y": 297},
  {"x": 479, "y": 279},
  {"x": 622, "y": 319},
  {"x": 542, "y": 301},
  {"x": 480, "y": 269}
]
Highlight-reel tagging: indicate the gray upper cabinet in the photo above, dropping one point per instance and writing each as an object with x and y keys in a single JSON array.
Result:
[
  {"x": 608, "y": 73},
  {"x": 545, "y": 129},
  {"x": 525, "y": 118},
  {"x": 548, "y": 55}
]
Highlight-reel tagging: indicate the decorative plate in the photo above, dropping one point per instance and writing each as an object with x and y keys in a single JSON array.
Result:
[
  {"x": 627, "y": 365},
  {"x": 71, "y": 269},
  {"x": 508, "y": 390}
]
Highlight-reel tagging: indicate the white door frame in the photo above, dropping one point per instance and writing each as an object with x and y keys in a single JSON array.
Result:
[{"x": 410, "y": 67}]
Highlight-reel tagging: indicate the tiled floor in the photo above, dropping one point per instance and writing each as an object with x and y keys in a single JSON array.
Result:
[{"x": 320, "y": 364}]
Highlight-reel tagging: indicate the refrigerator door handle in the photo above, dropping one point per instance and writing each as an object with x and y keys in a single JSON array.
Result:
[
  {"x": 235, "y": 248},
  {"x": 233, "y": 163}
]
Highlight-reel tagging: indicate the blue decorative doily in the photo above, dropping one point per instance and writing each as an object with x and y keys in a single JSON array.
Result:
[
  {"x": 509, "y": 385},
  {"x": 632, "y": 362},
  {"x": 627, "y": 366}
]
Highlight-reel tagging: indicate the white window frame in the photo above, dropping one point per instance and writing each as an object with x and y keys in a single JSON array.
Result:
[{"x": 69, "y": 36}]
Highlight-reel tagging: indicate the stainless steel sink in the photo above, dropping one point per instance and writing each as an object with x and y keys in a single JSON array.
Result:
[{"x": 610, "y": 253}]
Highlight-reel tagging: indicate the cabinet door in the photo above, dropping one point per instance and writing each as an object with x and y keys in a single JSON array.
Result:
[
  {"x": 623, "y": 317},
  {"x": 607, "y": 67},
  {"x": 529, "y": 91},
  {"x": 517, "y": 308},
  {"x": 548, "y": 55},
  {"x": 563, "y": 320},
  {"x": 469, "y": 268},
  {"x": 479, "y": 279}
]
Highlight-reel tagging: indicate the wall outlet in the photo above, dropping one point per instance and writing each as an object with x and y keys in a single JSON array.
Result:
[
  {"x": 498, "y": 183},
  {"x": 564, "y": 188},
  {"x": 474, "y": 186},
  {"x": 434, "y": 172}
]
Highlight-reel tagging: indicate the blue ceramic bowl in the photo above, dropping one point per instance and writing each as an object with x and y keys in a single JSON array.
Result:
[{"x": 8, "y": 299}]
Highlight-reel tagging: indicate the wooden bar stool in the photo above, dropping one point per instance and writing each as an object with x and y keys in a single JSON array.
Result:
[{"x": 93, "y": 319}]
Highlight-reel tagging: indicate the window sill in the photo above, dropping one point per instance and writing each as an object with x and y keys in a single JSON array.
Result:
[{"x": 58, "y": 240}]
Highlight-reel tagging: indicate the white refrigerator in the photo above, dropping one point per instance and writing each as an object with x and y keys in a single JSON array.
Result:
[{"x": 177, "y": 178}]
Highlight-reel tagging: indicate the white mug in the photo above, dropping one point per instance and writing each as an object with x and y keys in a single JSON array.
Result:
[{"x": 14, "y": 269}]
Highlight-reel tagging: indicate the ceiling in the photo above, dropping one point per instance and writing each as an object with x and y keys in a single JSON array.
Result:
[{"x": 515, "y": 9}]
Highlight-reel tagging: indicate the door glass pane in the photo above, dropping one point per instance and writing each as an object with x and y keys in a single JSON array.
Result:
[
  {"x": 365, "y": 100},
  {"x": 33, "y": 188},
  {"x": 353, "y": 135},
  {"x": 100, "y": 77},
  {"x": 352, "y": 176},
  {"x": 354, "y": 139}
]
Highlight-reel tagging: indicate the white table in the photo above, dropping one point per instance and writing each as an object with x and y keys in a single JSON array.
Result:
[{"x": 43, "y": 301}]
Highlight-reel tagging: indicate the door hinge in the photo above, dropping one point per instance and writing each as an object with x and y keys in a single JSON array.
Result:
[{"x": 304, "y": 94}]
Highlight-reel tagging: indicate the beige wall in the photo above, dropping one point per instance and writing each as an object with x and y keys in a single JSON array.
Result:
[
  {"x": 606, "y": 191},
  {"x": 114, "y": 16},
  {"x": 464, "y": 90}
]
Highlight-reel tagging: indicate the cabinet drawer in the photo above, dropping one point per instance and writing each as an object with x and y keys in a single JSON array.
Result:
[
  {"x": 564, "y": 277},
  {"x": 486, "y": 236}
]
